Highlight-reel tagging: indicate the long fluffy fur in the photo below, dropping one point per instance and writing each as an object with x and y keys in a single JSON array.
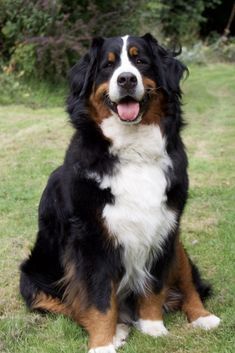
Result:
[{"x": 73, "y": 248}]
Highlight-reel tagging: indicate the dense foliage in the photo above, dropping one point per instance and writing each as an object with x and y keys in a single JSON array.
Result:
[
  {"x": 43, "y": 38},
  {"x": 182, "y": 19}
]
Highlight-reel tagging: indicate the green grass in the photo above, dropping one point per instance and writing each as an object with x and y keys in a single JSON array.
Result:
[
  {"x": 33, "y": 142},
  {"x": 34, "y": 94}
]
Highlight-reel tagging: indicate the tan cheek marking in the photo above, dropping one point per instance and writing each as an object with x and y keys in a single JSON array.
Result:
[
  {"x": 100, "y": 90},
  {"x": 111, "y": 57},
  {"x": 133, "y": 51},
  {"x": 156, "y": 110},
  {"x": 148, "y": 83},
  {"x": 98, "y": 110},
  {"x": 156, "y": 106}
]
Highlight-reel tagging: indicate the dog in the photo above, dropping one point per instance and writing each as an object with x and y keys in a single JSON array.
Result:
[{"x": 108, "y": 252}]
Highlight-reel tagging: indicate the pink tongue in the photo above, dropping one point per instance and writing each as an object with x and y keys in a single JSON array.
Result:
[{"x": 128, "y": 111}]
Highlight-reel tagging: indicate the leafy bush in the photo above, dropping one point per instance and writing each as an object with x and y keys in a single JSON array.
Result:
[
  {"x": 201, "y": 53},
  {"x": 44, "y": 38},
  {"x": 181, "y": 19},
  {"x": 43, "y": 32},
  {"x": 222, "y": 51},
  {"x": 229, "y": 52},
  {"x": 194, "y": 54},
  {"x": 34, "y": 94},
  {"x": 23, "y": 59}
]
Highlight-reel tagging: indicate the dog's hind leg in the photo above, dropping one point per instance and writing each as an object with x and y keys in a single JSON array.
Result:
[
  {"x": 192, "y": 304},
  {"x": 44, "y": 302},
  {"x": 37, "y": 299}
]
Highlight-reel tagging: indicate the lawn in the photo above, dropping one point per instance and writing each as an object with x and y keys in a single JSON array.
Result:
[{"x": 33, "y": 140}]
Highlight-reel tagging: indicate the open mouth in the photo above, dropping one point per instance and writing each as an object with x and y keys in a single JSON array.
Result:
[{"x": 128, "y": 109}]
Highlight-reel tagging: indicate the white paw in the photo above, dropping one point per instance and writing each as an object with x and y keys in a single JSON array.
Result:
[
  {"x": 104, "y": 349},
  {"x": 206, "y": 322},
  {"x": 152, "y": 328},
  {"x": 121, "y": 335}
]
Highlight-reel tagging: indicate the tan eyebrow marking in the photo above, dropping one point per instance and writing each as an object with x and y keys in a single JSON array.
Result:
[
  {"x": 133, "y": 51},
  {"x": 111, "y": 56}
]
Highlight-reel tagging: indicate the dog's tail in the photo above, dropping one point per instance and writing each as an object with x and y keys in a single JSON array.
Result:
[{"x": 203, "y": 288}]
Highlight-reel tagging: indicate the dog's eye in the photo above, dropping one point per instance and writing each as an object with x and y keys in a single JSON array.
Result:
[
  {"x": 139, "y": 61},
  {"x": 109, "y": 64}
]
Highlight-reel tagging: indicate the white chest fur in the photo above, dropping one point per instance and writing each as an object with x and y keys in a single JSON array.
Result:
[{"x": 139, "y": 220}]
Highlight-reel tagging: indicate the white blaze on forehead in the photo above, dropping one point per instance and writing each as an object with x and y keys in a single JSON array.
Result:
[{"x": 125, "y": 66}]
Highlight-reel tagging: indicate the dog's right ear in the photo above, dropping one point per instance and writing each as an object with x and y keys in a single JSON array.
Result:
[
  {"x": 169, "y": 69},
  {"x": 82, "y": 75}
]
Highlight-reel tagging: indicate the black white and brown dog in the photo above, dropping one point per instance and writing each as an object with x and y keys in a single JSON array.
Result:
[{"x": 108, "y": 252}]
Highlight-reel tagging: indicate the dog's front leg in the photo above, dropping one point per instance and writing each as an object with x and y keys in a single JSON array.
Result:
[
  {"x": 101, "y": 326},
  {"x": 150, "y": 314}
]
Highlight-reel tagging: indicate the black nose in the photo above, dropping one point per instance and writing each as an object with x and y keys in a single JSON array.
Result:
[{"x": 127, "y": 80}]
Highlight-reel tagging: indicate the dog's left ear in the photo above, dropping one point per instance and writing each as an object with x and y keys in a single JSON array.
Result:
[
  {"x": 169, "y": 70},
  {"x": 82, "y": 75}
]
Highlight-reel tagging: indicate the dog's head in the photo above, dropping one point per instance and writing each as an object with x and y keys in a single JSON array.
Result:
[{"x": 129, "y": 77}]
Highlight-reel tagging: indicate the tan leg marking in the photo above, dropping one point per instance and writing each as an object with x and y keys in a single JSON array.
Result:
[
  {"x": 192, "y": 304},
  {"x": 150, "y": 306},
  {"x": 150, "y": 314},
  {"x": 48, "y": 303},
  {"x": 101, "y": 327}
]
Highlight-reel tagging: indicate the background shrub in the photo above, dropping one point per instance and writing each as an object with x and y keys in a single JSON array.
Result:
[
  {"x": 182, "y": 19},
  {"x": 42, "y": 39}
]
